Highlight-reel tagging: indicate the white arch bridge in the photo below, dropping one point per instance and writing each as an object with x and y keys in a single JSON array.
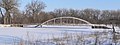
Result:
[{"x": 64, "y": 21}]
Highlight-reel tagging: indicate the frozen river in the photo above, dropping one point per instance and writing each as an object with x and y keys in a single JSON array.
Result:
[{"x": 15, "y": 34}]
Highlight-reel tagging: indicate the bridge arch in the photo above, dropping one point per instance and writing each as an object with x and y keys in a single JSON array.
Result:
[{"x": 61, "y": 19}]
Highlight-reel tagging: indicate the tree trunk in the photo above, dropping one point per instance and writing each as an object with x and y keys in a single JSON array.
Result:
[{"x": 7, "y": 18}]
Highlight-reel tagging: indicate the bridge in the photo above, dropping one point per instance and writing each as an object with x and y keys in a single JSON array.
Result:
[{"x": 72, "y": 21}]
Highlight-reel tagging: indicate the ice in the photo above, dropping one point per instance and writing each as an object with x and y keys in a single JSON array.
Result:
[{"x": 15, "y": 34}]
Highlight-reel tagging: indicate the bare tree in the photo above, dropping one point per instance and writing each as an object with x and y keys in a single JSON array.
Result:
[
  {"x": 17, "y": 16},
  {"x": 8, "y": 5},
  {"x": 34, "y": 8},
  {"x": 90, "y": 15}
]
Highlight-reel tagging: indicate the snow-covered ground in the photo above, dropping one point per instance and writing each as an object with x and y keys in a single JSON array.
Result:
[{"x": 10, "y": 35}]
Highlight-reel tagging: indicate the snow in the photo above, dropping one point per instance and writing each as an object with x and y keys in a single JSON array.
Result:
[
  {"x": 15, "y": 34},
  {"x": 1, "y": 25}
]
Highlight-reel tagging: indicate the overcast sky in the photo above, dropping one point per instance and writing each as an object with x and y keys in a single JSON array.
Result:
[{"x": 77, "y": 4}]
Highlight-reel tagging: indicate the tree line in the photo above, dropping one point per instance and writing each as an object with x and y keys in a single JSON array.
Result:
[{"x": 34, "y": 13}]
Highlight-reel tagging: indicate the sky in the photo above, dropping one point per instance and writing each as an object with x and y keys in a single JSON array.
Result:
[{"x": 77, "y": 4}]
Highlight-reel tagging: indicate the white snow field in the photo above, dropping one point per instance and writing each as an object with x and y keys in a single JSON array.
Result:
[{"x": 13, "y": 35}]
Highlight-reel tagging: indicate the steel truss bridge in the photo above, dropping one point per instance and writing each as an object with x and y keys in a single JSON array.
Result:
[{"x": 65, "y": 21}]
